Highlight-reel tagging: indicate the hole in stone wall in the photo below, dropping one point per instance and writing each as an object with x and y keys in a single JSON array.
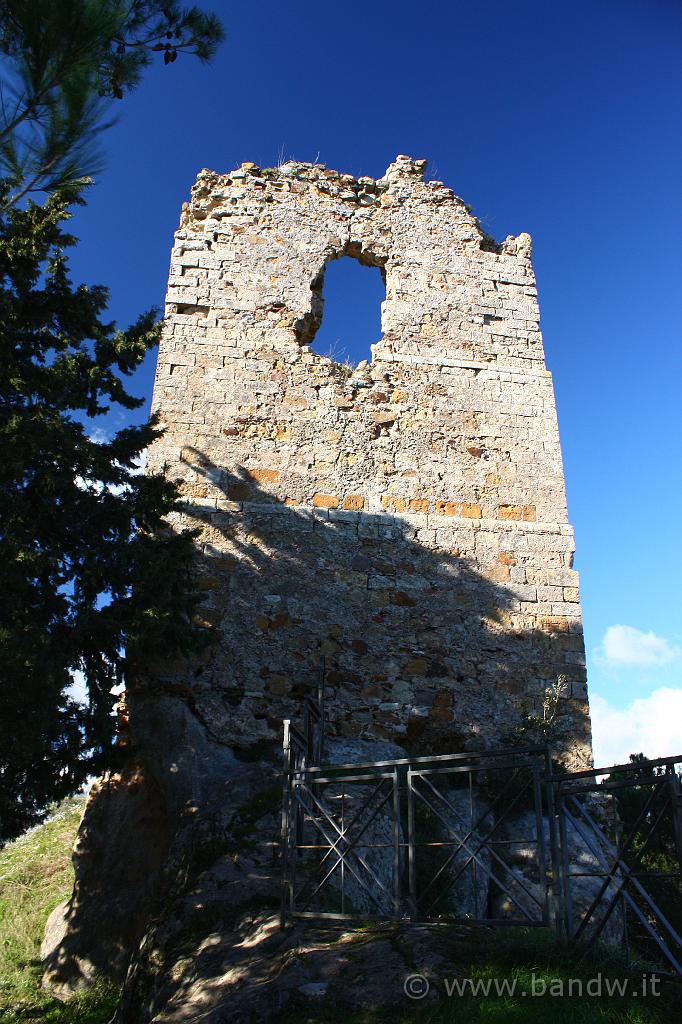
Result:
[{"x": 351, "y": 319}]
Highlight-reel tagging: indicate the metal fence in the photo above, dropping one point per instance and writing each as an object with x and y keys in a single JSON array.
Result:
[
  {"x": 621, "y": 829},
  {"x": 495, "y": 837},
  {"x": 479, "y": 850}
]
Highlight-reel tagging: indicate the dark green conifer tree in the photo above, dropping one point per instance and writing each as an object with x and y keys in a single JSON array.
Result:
[{"x": 92, "y": 580}]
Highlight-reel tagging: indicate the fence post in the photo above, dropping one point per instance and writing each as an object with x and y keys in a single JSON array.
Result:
[
  {"x": 542, "y": 851},
  {"x": 319, "y": 738},
  {"x": 396, "y": 844},
  {"x": 566, "y": 900},
  {"x": 556, "y": 907},
  {"x": 411, "y": 851},
  {"x": 676, "y": 807},
  {"x": 286, "y": 896}
]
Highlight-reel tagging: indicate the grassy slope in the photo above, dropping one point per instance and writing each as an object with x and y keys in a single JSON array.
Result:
[{"x": 35, "y": 876}]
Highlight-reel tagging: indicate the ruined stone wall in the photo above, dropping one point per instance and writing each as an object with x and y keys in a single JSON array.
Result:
[{"x": 407, "y": 520}]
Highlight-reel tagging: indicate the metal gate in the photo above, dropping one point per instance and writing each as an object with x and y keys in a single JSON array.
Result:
[{"x": 425, "y": 839}]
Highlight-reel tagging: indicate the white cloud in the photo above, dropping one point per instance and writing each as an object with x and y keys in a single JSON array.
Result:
[
  {"x": 139, "y": 463},
  {"x": 99, "y": 435},
  {"x": 651, "y": 725},
  {"x": 625, "y": 645},
  {"x": 78, "y": 691}
]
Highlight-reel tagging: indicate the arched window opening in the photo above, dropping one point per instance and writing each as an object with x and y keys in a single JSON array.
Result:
[{"x": 351, "y": 315}]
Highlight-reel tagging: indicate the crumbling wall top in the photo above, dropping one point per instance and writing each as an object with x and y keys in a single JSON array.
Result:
[{"x": 404, "y": 176}]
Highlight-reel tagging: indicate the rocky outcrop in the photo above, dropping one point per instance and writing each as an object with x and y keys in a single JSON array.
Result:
[{"x": 143, "y": 832}]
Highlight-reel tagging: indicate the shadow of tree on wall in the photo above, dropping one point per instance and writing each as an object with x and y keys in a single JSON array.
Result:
[
  {"x": 420, "y": 649},
  {"x": 419, "y": 646}
]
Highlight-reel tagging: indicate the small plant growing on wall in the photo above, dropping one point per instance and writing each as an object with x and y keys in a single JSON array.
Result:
[{"x": 543, "y": 726}]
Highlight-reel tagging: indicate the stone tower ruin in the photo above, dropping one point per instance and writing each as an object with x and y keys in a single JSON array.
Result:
[
  {"x": 406, "y": 520},
  {"x": 402, "y": 523}
]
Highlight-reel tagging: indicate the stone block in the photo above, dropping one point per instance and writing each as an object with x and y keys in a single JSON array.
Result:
[
  {"x": 523, "y": 513},
  {"x": 506, "y": 558},
  {"x": 393, "y": 503},
  {"x": 464, "y": 509},
  {"x": 325, "y": 500},
  {"x": 419, "y": 505},
  {"x": 264, "y": 476},
  {"x": 354, "y": 502},
  {"x": 554, "y": 623},
  {"x": 416, "y": 667}
]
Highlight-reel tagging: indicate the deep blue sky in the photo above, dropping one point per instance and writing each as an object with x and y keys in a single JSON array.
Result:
[{"x": 560, "y": 119}]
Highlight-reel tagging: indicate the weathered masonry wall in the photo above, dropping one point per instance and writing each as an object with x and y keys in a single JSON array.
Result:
[{"x": 406, "y": 520}]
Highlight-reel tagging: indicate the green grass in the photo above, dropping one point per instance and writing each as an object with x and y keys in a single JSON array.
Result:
[
  {"x": 522, "y": 957},
  {"x": 35, "y": 876}
]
